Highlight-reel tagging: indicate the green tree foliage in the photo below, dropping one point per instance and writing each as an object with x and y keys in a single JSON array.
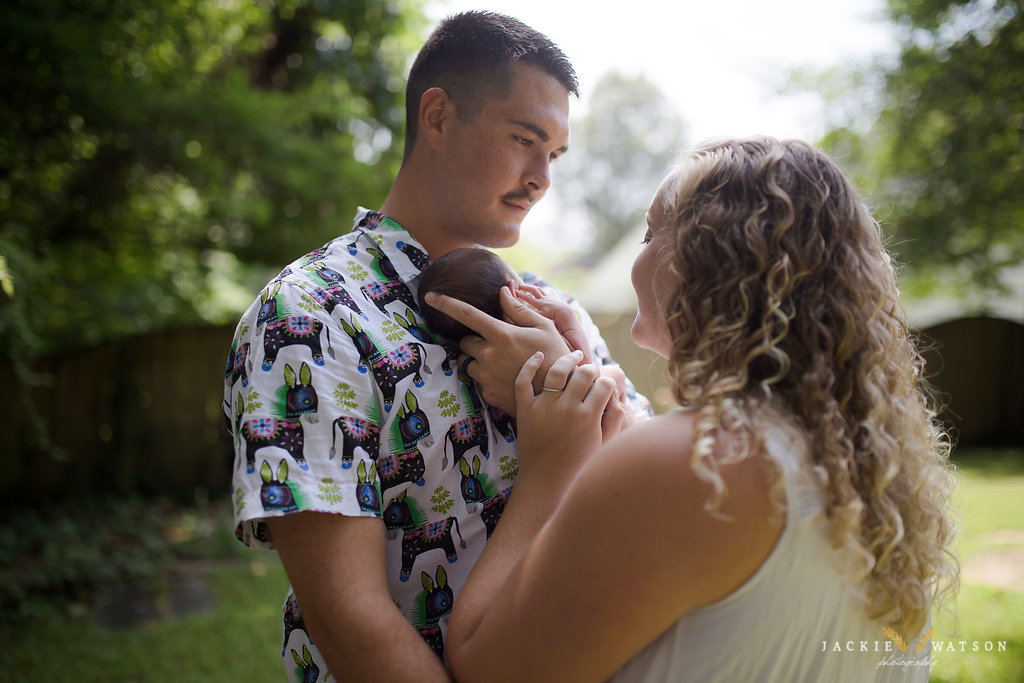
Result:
[
  {"x": 945, "y": 157},
  {"x": 154, "y": 154},
  {"x": 620, "y": 151}
]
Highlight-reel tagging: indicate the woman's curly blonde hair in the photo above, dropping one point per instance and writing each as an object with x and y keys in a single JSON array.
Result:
[{"x": 786, "y": 302}]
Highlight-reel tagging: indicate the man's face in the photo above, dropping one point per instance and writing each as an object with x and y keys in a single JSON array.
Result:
[{"x": 497, "y": 166}]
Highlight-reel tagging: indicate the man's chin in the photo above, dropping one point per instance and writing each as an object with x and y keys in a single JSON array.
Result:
[{"x": 506, "y": 237}]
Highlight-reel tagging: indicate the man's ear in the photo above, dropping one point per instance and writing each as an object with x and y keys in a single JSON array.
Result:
[{"x": 436, "y": 111}]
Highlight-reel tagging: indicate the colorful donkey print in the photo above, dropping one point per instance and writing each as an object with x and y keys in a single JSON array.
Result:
[
  {"x": 432, "y": 603},
  {"x": 306, "y": 666},
  {"x": 416, "y": 256},
  {"x": 388, "y": 367},
  {"x": 465, "y": 435},
  {"x": 277, "y": 495},
  {"x": 294, "y": 330},
  {"x": 418, "y": 535},
  {"x": 285, "y": 432},
  {"x": 504, "y": 423},
  {"x": 405, "y": 464},
  {"x": 468, "y": 433},
  {"x": 236, "y": 367},
  {"x": 331, "y": 291},
  {"x": 367, "y": 488},
  {"x": 355, "y": 433},
  {"x": 479, "y": 489}
]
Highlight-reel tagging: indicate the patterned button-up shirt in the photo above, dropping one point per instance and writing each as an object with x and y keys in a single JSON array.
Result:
[{"x": 339, "y": 400}]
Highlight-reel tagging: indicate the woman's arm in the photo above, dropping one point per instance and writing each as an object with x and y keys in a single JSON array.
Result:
[{"x": 628, "y": 551}]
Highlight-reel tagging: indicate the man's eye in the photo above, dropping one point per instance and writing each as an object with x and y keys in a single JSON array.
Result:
[{"x": 527, "y": 142}]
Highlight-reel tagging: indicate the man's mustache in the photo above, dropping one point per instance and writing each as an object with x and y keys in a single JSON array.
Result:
[{"x": 520, "y": 194}]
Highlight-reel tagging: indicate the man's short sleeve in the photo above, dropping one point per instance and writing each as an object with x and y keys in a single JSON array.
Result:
[{"x": 302, "y": 413}]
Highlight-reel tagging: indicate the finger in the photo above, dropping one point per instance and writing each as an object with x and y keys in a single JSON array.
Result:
[
  {"x": 526, "y": 296},
  {"x": 615, "y": 419},
  {"x": 581, "y": 382},
  {"x": 558, "y": 373},
  {"x": 524, "y": 381},
  {"x": 533, "y": 290},
  {"x": 473, "y": 345},
  {"x": 519, "y": 312},
  {"x": 468, "y": 315},
  {"x": 601, "y": 394},
  {"x": 536, "y": 300},
  {"x": 615, "y": 373},
  {"x": 577, "y": 339}
]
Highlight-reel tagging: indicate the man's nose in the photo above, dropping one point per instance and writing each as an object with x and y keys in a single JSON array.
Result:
[{"x": 538, "y": 175}]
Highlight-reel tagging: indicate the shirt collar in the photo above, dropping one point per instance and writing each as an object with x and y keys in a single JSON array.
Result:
[{"x": 407, "y": 256}]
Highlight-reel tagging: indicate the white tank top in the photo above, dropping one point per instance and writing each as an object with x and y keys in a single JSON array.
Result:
[{"x": 796, "y": 619}]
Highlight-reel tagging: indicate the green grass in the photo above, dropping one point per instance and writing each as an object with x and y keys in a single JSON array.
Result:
[
  {"x": 990, "y": 502},
  {"x": 238, "y": 638}
]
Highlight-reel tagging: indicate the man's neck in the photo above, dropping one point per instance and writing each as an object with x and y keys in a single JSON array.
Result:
[{"x": 409, "y": 204}]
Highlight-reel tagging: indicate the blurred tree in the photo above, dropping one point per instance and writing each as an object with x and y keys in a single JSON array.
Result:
[
  {"x": 945, "y": 156},
  {"x": 154, "y": 154},
  {"x": 620, "y": 151}
]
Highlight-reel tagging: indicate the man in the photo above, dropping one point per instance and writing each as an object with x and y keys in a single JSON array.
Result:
[{"x": 364, "y": 454}]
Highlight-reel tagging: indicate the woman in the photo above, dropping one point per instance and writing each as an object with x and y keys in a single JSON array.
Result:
[{"x": 795, "y": 505}]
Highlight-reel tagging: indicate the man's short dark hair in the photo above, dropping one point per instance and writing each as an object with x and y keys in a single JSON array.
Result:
[{"x": 469, "y": 54}]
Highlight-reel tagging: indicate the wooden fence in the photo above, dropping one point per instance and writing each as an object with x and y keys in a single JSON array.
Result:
[
  {"x": 143, "y": 415},
  {"x": 140, "y": 416}
]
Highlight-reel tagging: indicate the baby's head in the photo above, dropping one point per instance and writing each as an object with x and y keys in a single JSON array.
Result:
[{"x": 471, "y": 275}]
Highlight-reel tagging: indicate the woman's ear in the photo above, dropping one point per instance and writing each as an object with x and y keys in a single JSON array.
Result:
[{"x": 436, "y": 110}]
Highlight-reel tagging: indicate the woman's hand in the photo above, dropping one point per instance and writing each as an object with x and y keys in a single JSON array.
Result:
[
  {"x": 560, "y": 426},
  {"x": 617, "y": 415}
]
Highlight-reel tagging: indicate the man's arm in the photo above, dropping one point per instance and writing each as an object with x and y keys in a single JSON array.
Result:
[{"x": 336, "y": 567}]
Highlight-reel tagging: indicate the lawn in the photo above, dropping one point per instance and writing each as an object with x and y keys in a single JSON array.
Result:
[
  {"x": 990, "y": 605},
  {"x": 235, "y": 633}
]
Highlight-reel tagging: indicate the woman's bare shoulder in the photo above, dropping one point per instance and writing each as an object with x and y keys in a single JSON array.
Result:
[
  {"x": 678, "y": 532},
  {"x": 664, "y": 442}
]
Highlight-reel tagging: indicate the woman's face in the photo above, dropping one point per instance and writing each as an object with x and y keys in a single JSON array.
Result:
[{"x": 651, "y": 278}]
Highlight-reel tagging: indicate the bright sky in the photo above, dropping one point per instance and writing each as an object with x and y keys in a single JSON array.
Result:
[{"x": 719, "y": 61}]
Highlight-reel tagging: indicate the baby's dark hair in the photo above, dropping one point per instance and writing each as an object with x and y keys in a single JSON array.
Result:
[{"x": 471, "y": 275}]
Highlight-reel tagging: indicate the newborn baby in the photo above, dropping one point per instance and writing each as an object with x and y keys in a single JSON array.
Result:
[{"x": 476, "y": 276}]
